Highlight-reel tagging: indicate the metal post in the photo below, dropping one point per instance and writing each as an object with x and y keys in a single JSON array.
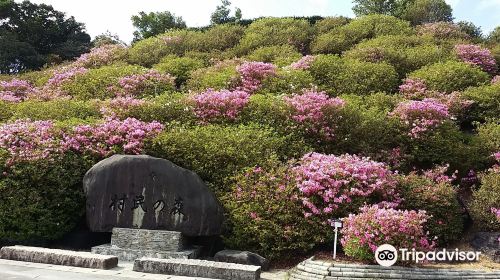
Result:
[{"x": 335, "y": 244}]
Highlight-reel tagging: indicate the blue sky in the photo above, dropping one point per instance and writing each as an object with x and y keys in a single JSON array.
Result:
[{"x": 114, "y": 15}]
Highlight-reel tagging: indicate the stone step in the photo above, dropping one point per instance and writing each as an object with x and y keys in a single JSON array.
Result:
[
  {"x": 58, "y": 257},
  {"x": 143, "y": 239},
  {"x": 133, "y": 254},
  {"x": 198, "y": 268}
]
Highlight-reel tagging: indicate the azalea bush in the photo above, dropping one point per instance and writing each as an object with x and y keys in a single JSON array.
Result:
[
  {"x": 219, "y": 105},
  {"x": 421, "y": 116},
  {"x": 253, "y": 73},
  {"x": 332, "y": 186},
  {"x": 101, "y": 56},
  {"x": 485, "y": 100},
  {"x": 266, "y": 215},
  {"x": 316, "y": 113},
  {"x": 362, "y": 233},
  {"x": 278, "y": 55},
  {"x": 441, "y": 31},
  {"x": 179, "y": 67},
  {"x": 14, "y": 90},
  {"x": 475, "y": 55},
  {"x": 151, "y": 82},
  {"x": 451, "y": 76},
  {"x": 487, "y": 198},
  {"x": 433, "y": 192}
]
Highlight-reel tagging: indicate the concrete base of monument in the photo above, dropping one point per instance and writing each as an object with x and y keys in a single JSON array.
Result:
[
  {"x": 132, "y": 254},
  {"x": 129, "y": 244}
]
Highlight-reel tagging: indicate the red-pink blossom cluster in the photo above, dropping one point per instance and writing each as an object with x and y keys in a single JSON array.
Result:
[
  {"x": 310, "y": 108},
  {"x": 421, "y": 116},
  {"x": 27, "y": 140},
  {"x": 212, "y": 105},
  {"x": 150, "y": 82},
  {"x": 304, "y": 63},
  {"x": 120, "y": 104},
  {"x": 496, "y": 212},
  {"x": 375, "y": 226},
  {"x": 30, "y": 140},
  {"x": 413, "y": 88},
  {"x": 478, "y": 56},
  {"x": 441, "y": 30},
  {"x": 52, "y": 89},
  {"x": 14, "y": 90},
  {"x": 327, "y": 181},
  {"x": 253, "y": 73},
  {"x": 111, "y": 136},
  {"x": 100, "y": 56}
]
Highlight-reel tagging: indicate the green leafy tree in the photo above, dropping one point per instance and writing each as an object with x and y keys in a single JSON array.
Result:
[
  {"x": 368, "y": 7},
  {"x": 32, "y": 35},
  {"x": 474, "y": 32},
  {"x": 222, "y": 14},
  {"x": 152, "y": 24},
  {"x": 107, "y": 38},
  {"x": 494, "y": 36},
  {"x": 426, "y": 11}
]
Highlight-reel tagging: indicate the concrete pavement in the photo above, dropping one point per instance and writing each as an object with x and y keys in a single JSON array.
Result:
[{"x": 15, "y": 270}]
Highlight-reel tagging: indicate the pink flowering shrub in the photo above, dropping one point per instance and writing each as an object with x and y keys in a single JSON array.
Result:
[
  {"x": 304, "y": 63},
  {"x": 421, "y": 116},
  {"x": 27, "y": 140},
  {"x": 476, "y": 55},
  {"x": 215, "y": 105},
  {"x": 14, "y": 90},
  {"x": 253, "y": 73},
  {"x": 374, "y": 226},
  {"x": 495, "y": 80},
  {"x": 100, "y": 56},
  {"x": 329, "y": 185},
  {"x": 313, "y": 112},
  {"x": 150, "y": 83},
  {"x": 111, "y": 136},
  {"x": 53, "y": 88},
  {"x": 413, "y": 88},
  {"x": 442, "y": 30},
  {"x": 267, "y": 214},
  {"x": 120, "y": 105}
]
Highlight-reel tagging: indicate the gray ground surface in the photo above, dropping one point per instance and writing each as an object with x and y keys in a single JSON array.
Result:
[{"x": 14, "y": 270}]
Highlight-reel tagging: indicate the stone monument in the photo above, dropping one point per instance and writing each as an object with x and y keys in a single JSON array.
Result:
[{"x": 150, "y": 205}]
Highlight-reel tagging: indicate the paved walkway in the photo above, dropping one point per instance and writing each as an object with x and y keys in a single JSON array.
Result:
[{"x": 14, "y": 270}]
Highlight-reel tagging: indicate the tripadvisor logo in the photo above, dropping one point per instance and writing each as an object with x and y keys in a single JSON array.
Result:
[{"x": 387, "y": 255}]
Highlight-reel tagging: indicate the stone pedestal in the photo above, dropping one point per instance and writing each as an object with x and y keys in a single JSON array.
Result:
[{"x": 130, "y": 244}]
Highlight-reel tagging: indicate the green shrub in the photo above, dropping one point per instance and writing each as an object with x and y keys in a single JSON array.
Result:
[
  {"x": 279, "y": 55},
  {"x": 220, "y": 37},
  {"x": 330, "y": 23},
  {"x": 451, "y": 76},
  {"x": 344, "y": 76},
  {"x": 275, "y": 32},
  {"x": 268, "y": 110},
  {"x": 223, "y": 75},
  {"x": 38, "y": 78},
  {"x": 445, "y": 144},
  {"x": 150, "y": 51},
  {"x": 287, "y": 81},
  {"x": 165, "y": 108},
  {"x": 343, "y": 38},
  {"x": 42, "y": 200},
  {"x": 95, "y": 83},
  {"x": 438, "y": 199},
  {"x": 405, "y": 53},
  {"x": 6, "y": 111},
  {"x": 486, "y": 101},
  {"x": 484, "y": 199},
  {"x": 179, "y": 67},
  {"x": 266, "y": 217},
  {"x": 217, "y": 152},
  {"x": 58, "y": 109}
]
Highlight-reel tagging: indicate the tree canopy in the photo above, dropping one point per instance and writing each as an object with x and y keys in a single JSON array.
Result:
[
  {"x": 222, "y": 14},
  {"x": 154, "y": 23},
  {"x": 32, "y": 35}
]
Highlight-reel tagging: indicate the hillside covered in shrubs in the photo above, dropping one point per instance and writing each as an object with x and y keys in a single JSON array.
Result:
[{"x": 290, "y": 123}]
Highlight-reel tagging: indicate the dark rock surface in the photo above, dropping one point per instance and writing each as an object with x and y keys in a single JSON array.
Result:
[
  {"x": 149, "y": 193},
  {"x": 488, "y": 243},
  {"x": 242, "y": 257}
]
